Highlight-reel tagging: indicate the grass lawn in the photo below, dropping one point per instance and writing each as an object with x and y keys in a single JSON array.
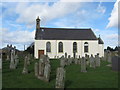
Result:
[{"x": 101, "y": 77}]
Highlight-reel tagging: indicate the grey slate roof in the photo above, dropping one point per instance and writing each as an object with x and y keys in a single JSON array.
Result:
[
  {"x": 100, "y": 41},
  {"x": 64, "y": 34}
]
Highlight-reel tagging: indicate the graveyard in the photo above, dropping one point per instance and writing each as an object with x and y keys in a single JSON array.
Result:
[{"x": 76, "y": 75}]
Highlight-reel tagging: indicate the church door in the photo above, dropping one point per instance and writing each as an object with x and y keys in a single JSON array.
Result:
[{"x": 40, "y": 52}]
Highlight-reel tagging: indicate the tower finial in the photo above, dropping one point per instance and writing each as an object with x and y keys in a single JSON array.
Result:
[
  {"x": 99, "y": 35},
  {"x": 38, "y": 17}
]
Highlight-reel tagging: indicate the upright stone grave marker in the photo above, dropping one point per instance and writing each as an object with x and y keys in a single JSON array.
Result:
[
  {"x": 36, "y": 68},
  {"x": 116, "y": 63},
  {"x": 109, "y": 57},
  {"x": 92, "y": 61},
  {"x": 69, "y": 60},
  {"x": 12, "y": 62},
  {"x": 47, "y": 71},
  {"x": 79, "y": 60},
  {"x": 62, "y": 62},
  {"x": 83, "y": 65},
  {"x": 97, "y": 60},
  {"x": 25, "y": 69},
  {"x": 41, "y": 67},
  {"x": 16, "y": 60},
  {"x": 0, "y": 60},
  {"x": 60, "y": 77}
]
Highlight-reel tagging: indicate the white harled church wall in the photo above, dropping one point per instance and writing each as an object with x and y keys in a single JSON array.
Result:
[
  {"x": 93, "y": 47},
  {"x": 101, "y": 50}
]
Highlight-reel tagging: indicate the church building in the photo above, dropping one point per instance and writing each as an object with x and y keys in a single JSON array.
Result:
[{"x": 55, "y": 42}]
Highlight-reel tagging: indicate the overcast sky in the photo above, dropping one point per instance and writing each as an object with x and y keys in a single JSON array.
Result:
[{"x": 18, "y": 19}]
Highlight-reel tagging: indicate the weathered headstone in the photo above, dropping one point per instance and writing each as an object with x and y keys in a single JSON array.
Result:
[
  {"x": 60, "y": 77},
  {"x": 97, "y": 60},
  {"x": 7, "y": 57},
  {"x": 25, "y": 69},
  {"x": 36, "y": 69},
  {"x": 41, "y": 67},
  {"x": 16, "y": 60},
  {"x": 109, "y": 57},
  {"x": 47, "y": 71},
  {"x": 12, "y": 62},
  {"x": 116, "y": 63},
  {"x": 65, "y": 55},
  {"x": 69, "y": 60},
  {"x": 92, "y": 61},
  {"x": 14, "y": 50},
  {"x": 105, "y": 57},
  {"x": 28, "y": 59},
  {"x": 76, "y": 61},
  {"x": 0, "y": 61},
  {"x": 79, "y": 60},
  {"x": 62, "y": 62},
  {"x": 83, "y": 65}
]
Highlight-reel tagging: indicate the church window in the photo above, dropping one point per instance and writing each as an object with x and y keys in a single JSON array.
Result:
[
  {"x": 74, "y": 47},
  {"x": 48, "y": 47},
  {"x": 86, "y": 47},
  {"x": 60, "y": 47}
]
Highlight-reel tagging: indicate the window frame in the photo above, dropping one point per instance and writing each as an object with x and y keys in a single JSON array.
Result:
[
  {"x": 74, "y": 47},
  {"x": 48, "y": 47},
  {"x": 60, "y": 47},
  {"x": 86, "y": 47}
]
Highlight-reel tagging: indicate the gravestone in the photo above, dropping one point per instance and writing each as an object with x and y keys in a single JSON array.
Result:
[
  {"x": 12, "y": 62},
  {"x": 83, "y": 65},
  {"x": 97, "y": 60},
  {"x": 16, "y": 60},
  {"x": 109, "y": 57},
  {"x": 66, "y": 60},
  {"x": 105, "y": 55},
  {"x": 28, "y": 59},
  {"x": 47, "y": 59},
  {"x": 60, "y": 77},
  {"x": 116, "y": 63},
  {"x": 69, "y": 60},
  {"x": 79, "y": 60},
  {"x": 92, "y": 61},
  {"x": 47, "y": 71},
  {"x": 76, "y": 61},
  {"x": 41, "y": 68},
  {"x": 65, "y": 55},
  {"x": 87, "y": 59},
  {"x": 62, "y": 62},
  {"x": 36, "y": 69},
  {"x": 25, "y": 69},
  {"x": 8, "y": 57},
  {"x": 0, "y": 61}
]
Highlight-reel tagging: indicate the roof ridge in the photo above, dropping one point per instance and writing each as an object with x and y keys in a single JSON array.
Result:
[{"x": 66, "y": 28}]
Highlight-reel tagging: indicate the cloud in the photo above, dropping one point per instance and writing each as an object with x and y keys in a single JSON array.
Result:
[
  {"x": 113, "y": 19},
  {"x": 17, "y": 37},
  {"x": 28, "y": 12},
  {"x": 112, "y": 36},
  {"x": 57, "y": 0},
  {"x": 101, "y": 9}
]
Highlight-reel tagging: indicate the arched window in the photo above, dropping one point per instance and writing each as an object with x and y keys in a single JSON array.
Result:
[
  {"x": 74, "y": 47},
  {"x": 86, "y": 47},
  {"x": 48, "y": 47},
  {"x": 60, "y": 47}
]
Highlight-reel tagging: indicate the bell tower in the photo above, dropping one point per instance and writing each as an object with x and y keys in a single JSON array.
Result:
[{"x": 37, "y": 23}]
